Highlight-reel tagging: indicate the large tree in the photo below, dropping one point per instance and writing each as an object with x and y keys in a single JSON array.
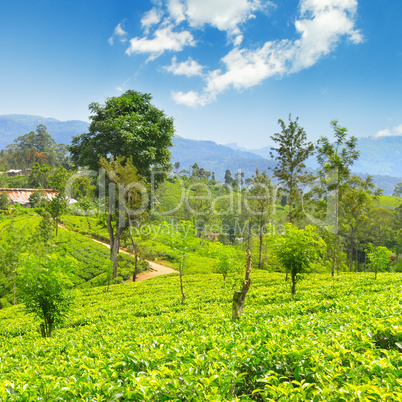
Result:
[
  {"x": 128, "y": 126},
  {"x": 126, "y": 132},
  {"x": 35, "y": 147},
  {"x": 290, "y": 154}
]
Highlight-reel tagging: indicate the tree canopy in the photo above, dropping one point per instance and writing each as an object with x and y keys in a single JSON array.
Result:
[{"x": 126, "y": 126}]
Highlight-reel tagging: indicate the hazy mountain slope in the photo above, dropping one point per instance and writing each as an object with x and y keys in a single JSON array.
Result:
[
  {"x": 216, "y": 158},
  {"x": 380, "y": 157},
  {"x": 15, "y": 125}
]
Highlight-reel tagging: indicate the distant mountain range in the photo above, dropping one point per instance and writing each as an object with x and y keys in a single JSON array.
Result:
[
  {"x": 379, "y": 156},
  {"x": 15, "y": 125},
  {"x": 216, "y": 158}
]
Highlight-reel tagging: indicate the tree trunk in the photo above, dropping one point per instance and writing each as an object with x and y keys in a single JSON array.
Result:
[
  {"x": 135, "y": 249},
  {"x": 114, "y": 239},
  {"x": 239, "y": 297},
  {"x": 357, "y": 257},
  {"x": 248, "y": 235},
  {"x": 290, "y": 218},
  {"x": 352, "y": 245},
  {"x": 114, "y": 250},
  {"x": 293, "y": 289},
  {"x": 260, "y": 248},
  {"x": 183, "y": 295},
  {"x": 46, "y": 328}
]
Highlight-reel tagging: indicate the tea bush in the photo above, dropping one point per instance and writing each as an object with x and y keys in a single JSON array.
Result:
[{"x": 338, "y": 339}]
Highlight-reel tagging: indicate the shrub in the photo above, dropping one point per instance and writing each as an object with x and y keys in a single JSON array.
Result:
[{"x": 43, "y": 287}]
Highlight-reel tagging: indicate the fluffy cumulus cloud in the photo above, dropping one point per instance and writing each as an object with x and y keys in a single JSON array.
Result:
[
  {"x": 189, "y": 68},
  {"x": 164, "y": 39},
  {"x": 225, "y": 15},
  {"x": 395, "y": 131},
  {"x": 172, "y": 26}
]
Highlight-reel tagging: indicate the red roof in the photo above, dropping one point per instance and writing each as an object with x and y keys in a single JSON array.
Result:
[{"x": 21, "y": 195}]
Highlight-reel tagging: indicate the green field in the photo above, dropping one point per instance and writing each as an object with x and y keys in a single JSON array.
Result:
[
  {"x": 91, "y": 260},
  {"x": 340, "y": 339},
  {"x": 386, "y": 201}
]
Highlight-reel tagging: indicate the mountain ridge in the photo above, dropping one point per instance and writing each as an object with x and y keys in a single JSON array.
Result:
[{"x": 380, "y": 156}]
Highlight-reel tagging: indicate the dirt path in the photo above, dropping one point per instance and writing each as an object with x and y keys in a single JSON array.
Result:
[{"x": 155, "y": 268}]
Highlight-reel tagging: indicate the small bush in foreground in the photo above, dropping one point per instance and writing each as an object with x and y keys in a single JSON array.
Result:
[{"x": 43, "y": 288}]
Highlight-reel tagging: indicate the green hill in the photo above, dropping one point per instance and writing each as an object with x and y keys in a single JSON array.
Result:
[
  {"x": 91, "y": 259},
  {"x": 339, "y": 339}
]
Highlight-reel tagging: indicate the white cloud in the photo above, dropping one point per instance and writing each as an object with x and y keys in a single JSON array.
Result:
[
  {"x": 176, "y": 10},
  {"x": 152, "y": 17},
  {"x": 120, "y": 33},
  {"x": 319, "y": 26},
  {"x": 189, "y": 68},
  {"x": 225, "y": 15},
  {"x": 238, "y": 40},
  {"x": 164, "y": 39},
  {"x": 395, "y": 131},
  {"x": 190, "y": 98}
]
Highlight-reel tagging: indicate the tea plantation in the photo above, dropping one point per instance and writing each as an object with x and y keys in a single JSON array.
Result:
[{"x": 339, "y": 339}]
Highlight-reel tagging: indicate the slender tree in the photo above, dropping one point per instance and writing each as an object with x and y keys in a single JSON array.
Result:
[
  {"x": 290, "y": 154},
  {"x": 260, "y": 202},
  {"x": 128, "y": 200},
  {"x": 335, "y": 160}
]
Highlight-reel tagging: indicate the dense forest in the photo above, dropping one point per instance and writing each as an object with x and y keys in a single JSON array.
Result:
[{"x": 322, "y": 274}]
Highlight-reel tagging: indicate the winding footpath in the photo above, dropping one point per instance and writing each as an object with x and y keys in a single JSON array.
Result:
[{"x": 155, "y": 268}]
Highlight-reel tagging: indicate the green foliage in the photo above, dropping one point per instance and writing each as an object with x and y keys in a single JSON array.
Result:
[
  {"x": 129, "y": 126},
  {"x": 398, "y": 190},
  {"x": 228, "y": 262},
  {"x": 34, "y": 148},
  {"x": 33, "y": 234},
  {"x": 43, "y": 287},
  {"x": 378, "y": 258},
  {"x": 38, "y": 199},
  {"x": 39, "y": 177},
  {"x": 337, "y": 340},
  {"x": 5, "y": 201},
  {"x": 292, "y": 151},
  {"x": 298, "y": 249}
]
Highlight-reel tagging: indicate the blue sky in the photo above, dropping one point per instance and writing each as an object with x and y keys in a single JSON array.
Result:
[{"x": 226, "y": 70}]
